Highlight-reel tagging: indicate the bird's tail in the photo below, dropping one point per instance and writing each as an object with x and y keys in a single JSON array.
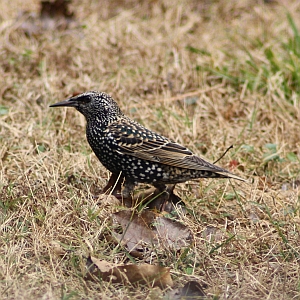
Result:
[{"x": 226, "y": 174}]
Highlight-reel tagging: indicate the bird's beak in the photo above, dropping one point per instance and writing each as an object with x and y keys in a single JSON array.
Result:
[{"x": 71, "y": 102}]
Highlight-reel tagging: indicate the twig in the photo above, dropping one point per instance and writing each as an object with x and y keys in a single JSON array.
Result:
[{"x": 223, "y": 154}]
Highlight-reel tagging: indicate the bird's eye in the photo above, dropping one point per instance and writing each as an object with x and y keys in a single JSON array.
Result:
[{"x": 85, "y": 99}]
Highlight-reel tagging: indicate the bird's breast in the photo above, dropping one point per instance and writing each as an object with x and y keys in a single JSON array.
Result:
[{"x": 103, "y": 146}]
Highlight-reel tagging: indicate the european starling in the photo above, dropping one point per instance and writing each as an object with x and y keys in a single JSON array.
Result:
[{"x": 126, "y": 147}]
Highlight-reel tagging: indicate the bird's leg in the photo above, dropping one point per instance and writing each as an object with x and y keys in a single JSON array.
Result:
[
  {"x": 160, "y": 187},
  {"x": 127, "y": 193},
  {"x": 162, "y": 197},
  {"x": 128, "y": 188},
  {"x": 173, "y": 199},
  {"x": 114, "y": 183},
  {"x": 167, "y": 200}
]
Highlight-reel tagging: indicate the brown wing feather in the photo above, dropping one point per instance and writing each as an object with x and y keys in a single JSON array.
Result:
[{"x": 156, "y": 148}]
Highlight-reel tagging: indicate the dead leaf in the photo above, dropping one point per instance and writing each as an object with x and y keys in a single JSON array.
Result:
[
  {"x": 102, "y": 265},
  {"x": 136, "y": 233},
  {"x": 172, "y": 233},
  {"x": 147, "y": 230},
  {"x": 144, "y": 274},
  {"x": 53, "y": 15},
  {"x": 56, "y": 9}
]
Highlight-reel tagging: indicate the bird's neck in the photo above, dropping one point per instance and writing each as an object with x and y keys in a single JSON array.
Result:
[{"x": 100, "y": 123}]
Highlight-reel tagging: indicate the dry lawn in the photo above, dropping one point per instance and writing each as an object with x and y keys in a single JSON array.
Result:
[{"x": 207, "y": 74}]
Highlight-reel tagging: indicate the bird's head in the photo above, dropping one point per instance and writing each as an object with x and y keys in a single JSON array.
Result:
[{"x": 93, "y": 105}]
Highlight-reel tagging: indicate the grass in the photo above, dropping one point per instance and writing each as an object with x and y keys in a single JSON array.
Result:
[{"x": 207, "y": 74}]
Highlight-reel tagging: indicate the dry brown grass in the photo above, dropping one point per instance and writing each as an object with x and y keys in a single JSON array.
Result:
[{"x": 246, "y": 236}]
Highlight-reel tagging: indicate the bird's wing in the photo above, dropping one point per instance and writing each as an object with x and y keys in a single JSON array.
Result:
[{"x": 137, "y": 141}]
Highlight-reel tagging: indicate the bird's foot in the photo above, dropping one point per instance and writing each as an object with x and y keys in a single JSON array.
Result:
[
  {"x": 114, "y": 184},
  {"x": 161, "y": 198},
  {"x": 168, "y": 200}
]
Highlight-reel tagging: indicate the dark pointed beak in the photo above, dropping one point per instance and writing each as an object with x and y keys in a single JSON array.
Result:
[{"x": 69, "y": 103}]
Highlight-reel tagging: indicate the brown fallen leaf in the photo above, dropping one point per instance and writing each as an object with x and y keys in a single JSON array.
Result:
[
  {"x": 148, "y": 230},
  {"x": 143, "y": 274},
  {"x": 57, "y": 9},
  {"x": 136, "y": 234},
  {"x": 53, "y": 15},
  {"x": 172, "y": 233}
]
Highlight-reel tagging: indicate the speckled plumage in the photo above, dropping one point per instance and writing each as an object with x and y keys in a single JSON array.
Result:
[{"x": 123, "y": 145}]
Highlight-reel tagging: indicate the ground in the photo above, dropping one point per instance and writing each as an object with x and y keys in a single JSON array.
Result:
[{"x": 208, "y": 74}]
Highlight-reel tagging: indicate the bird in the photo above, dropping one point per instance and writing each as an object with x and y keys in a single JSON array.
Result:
[{"x": 139, "y": 155}]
